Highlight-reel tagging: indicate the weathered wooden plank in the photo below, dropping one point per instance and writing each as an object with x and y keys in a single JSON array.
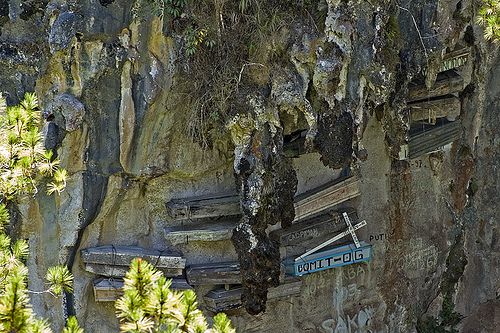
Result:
[
  {"x": 204, "y": 207},
  {"x": 325, "y": 197},
  {"x": 454, "y": 59},
  {"x": 306, "y": 205},
  {"x": 433, "y": 139},
  {"x": 314, "y": 228},
  {"x": 327, "y": 259},
  {"x": 123, "y": 256},
  {"x": 448, "y": 106},
  {"x": 446, "y": 83},
  {"x": 202, "y": 232},
  {"x": 214, "y": 273},
  {"x": 109, "y": 290},
  {"x": 430, "y": 140},
  {"x": 120, "y": 271},
  {"x": 222, "y": 300}
]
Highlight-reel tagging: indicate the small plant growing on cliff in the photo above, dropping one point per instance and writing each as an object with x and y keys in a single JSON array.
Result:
[
  {"x": 72, "y": 326},
  {"x": 489, "y": 18},
  {"x": 195, "y": 38},
  {"x": 149, "y": 305}
]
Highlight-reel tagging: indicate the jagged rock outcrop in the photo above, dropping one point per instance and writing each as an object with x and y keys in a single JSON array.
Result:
[{"x": 267, "y": 184}]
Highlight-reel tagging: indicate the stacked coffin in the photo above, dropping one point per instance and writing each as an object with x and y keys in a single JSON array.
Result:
[
  {"x": 109, "y": 289},
  {"x": 433, "y": 110},
  {"x": 204, "y": 219},
  {"x": 222, "y": 299},
  {"x": 112, "y": 262},
  {"x": 213, "y": 218}
]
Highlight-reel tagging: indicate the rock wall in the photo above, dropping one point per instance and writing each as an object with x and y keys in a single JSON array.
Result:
[{"x": 138, "y": 119}]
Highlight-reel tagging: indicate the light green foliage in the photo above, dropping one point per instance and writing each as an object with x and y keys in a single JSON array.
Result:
[
  {"x": 40, "y": 326},
  {"x": 489, "y": 18},
  {"x": 4, "y": 217},
  {"x": 244, "y": 4},
  {"x": 15, "y": 311},
  {"x": 23, "y": 163},
  {"x": 60, "y": 280},
  {"x": 72, "y": 326},
  {"x": 149, "y": 305},
  {"x": 23, "y": 159},
  {"x": 222, "y": 324}
]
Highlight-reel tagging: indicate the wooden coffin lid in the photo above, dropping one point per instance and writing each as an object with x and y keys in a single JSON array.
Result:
[
  {"x": 446, "y": 83},
  {"x": 325, "y": 197},
  {"x": 448, "y": 106},
  {"x": 202, "y": 232},
  {"x": 214, "y": 273},
  {"x": 432, "y": 139},
  {"x": 109, "y": 290},
  {"x": 222, "y": 300},
  {"x": 312, "y": 228},
  {"x": 123, "y": 256},
  {"x": 204, "y": 206}
]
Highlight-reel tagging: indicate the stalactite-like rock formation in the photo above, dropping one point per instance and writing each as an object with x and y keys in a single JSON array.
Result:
[{"x": 267, "y": 185}]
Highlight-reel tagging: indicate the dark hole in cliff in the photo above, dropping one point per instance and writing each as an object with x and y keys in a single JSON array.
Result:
[
  {"x": 4, "y": 9},
  {"x": 334, "y": 139},
  {"x": 31, "y": 7},
  {"x": 469, "y": 36},
  {"x": 106, "y": 2},
  {"x": 79, "y": 36},
  {"x": 8, "y": 51},
  {"x": 294, "y": 143}
]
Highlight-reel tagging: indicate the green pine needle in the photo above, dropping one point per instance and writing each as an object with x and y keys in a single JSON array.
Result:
[
  {"x": 41, "y": 326},
  {"x": 72, "y": 326},
  {"x": 60, "y": 279},
  {"x": 222, "y": 324},
  {"x": 149, "y": 305}
]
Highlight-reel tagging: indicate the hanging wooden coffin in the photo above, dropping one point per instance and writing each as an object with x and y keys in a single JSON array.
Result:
[
  {"x": 114, "y": 261},
  {"x": 429, "y": 111},
  {"x": 430, "y": 140},
  {"x": 454, "y": 59},
  {"x": 109, "y": 290},
  {"x": 446, "y": 83},
  {"x": 204, "y": 207},
  {"x": 201, "y": 232},
  {"x": 306, "y": 204},
  {"x": 222, "y": 300},
  {"x": 214, "y": 273},
  {"x": 314, "y": 228},
  {"x": 325, "y": 197},
  {"x": 326, "y": 259}
]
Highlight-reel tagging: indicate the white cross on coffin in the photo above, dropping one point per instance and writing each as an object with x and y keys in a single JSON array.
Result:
[{"x": 350, "y": 230}]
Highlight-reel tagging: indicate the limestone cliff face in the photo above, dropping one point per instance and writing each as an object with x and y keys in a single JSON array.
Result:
[{"x": 144, "y": 108}]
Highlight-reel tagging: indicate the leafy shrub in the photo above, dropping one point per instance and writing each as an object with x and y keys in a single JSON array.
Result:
[{"x": 489, "y": 18}]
